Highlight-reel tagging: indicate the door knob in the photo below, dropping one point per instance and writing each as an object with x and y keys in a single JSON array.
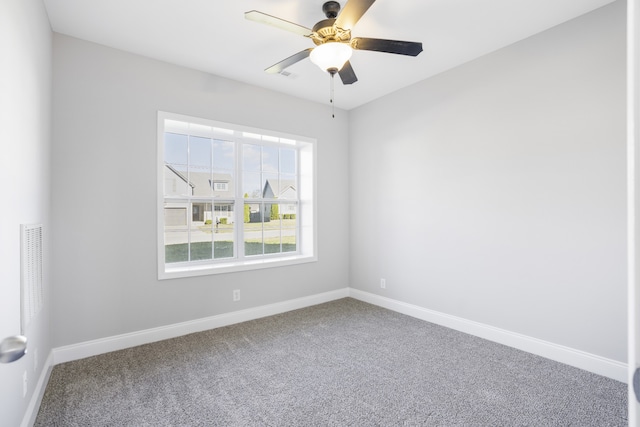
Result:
[{"x": 13, "y": 348}]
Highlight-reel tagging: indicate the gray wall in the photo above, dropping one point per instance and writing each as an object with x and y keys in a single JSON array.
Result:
[
  {"x": 104, "y": 192},
  {"x": 25, "y": 128},
  {"x": 495, "y": 191}
]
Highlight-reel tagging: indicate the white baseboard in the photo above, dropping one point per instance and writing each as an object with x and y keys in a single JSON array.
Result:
[
  {"x": 577, "y": 358},
  {"x": 580, "y": 359},
  {"x": 119, "y": 342},
  {"x": 38, "y": 393}
]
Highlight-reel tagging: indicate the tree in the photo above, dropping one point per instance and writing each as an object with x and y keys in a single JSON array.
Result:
[
  {"x": 275, "y": 213},
  {"x": 247, "y": 210}
]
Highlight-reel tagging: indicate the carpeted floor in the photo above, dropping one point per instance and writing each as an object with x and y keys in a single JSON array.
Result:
[{"x": 343, "y": 363}]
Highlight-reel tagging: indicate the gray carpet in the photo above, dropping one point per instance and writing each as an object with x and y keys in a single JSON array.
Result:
[{"x": 344, "y": 363}]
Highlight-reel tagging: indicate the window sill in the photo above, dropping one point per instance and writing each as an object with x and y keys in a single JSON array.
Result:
[{"x": 233, "y": 267}]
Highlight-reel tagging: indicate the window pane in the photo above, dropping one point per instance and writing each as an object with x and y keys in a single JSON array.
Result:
[
  {"x": 271, "y": 228},
  {"x": 270, "y": 186},
  {"x": 251, "y": 186},
  {"x": 223, "y": 184},
  {"x": 200, "y": 166},
  {"x": 175, "y": 150},
  {"x": 289, "y": 228},
  {"x": 251, "y": 158},
  {"x": 253, "y": 229},
  {"x": 175, "y": 167},
  {"x": 288, "y": 213},
  {"x": 287, "y": 161},
  {"x": 199, "y": 154},
  {"x": 222, "y": 180},
  {"x": 223, "y": 155},
  {"x": 270, "y": 160},
  {"x": 176, "y": 236},
  {"x": 201, "y": 233},
  {"x": 224, "y": 231},
  {"x": 288, "y": 187}
]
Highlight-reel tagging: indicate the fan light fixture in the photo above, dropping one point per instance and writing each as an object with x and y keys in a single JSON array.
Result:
[
  {"x": 331, "y": 56},
  {"x": 332, "y": 37}
]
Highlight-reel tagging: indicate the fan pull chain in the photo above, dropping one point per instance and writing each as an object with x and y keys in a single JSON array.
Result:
[{"x": 333, "y": 106}]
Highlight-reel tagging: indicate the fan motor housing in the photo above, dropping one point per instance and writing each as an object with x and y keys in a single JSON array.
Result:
[
  {"x": 325, "y": 31},
  {"x": 331, "y": 9}
]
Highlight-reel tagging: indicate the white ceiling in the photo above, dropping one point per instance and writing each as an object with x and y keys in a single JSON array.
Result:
[{"x": 213, "y": 36}]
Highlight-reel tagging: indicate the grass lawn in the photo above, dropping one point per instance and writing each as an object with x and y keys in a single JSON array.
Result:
[
  {"x": 202, "y": 250},
  {"x": 224, "y": 249}
]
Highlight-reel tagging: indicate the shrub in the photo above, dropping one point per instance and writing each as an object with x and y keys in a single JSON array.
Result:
[
  {"x": 247, "y": 211},
  {"x": 207, "y": 222},
  {"x": 274, "y": 211},
  {"x": 223, "y": 220}
]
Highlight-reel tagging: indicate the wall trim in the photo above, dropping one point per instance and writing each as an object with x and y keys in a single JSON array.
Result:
[
  {"x": 31, "y": 413},
  {"x": 119, "y": 342},
  {"x": 576, "y": 358}
]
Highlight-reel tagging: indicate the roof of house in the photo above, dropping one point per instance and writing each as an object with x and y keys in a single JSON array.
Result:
[
  {"x": 202, "y": 183},
  {"x": 280, "y": 188}
]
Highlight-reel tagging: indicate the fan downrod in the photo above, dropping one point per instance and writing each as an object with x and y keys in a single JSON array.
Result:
[{"x": 331, "y": 9}]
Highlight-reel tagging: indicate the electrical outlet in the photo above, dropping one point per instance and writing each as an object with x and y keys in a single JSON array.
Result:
[
  {"x": 24, "y": 384},
  {"x": 236, "y": 295},
  {"x": 383, "y": 283}
]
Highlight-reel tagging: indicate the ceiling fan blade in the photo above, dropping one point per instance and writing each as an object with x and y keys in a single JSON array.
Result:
[
  {"x": 263, "y": 18},
  {"x": 276, "y": 68},
  {"x": 390, "y": 46},
  {"x": 347, "y": 75},
  {"x": 352, "y": 12}
]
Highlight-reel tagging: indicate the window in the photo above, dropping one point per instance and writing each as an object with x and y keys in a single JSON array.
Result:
[
  {"x": 232, "y": 198},
  {"x": 220, "y": 186}
]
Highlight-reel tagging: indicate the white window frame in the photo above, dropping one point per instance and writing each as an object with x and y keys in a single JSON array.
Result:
[{"x": 306, "y": 243}]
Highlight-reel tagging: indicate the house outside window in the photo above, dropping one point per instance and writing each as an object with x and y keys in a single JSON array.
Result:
[{"x": 232, "y": 198}]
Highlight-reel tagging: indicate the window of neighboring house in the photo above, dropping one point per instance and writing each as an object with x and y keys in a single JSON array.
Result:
[
  {"x": 232, "y": 198},
  {"x": 220, "y": 186}
]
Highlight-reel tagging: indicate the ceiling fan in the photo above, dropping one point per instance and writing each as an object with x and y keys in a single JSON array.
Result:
[{"x": 332, "y": 37}]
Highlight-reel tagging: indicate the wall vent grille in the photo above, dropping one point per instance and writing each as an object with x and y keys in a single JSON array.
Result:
[{"x": 31, "y": 273}]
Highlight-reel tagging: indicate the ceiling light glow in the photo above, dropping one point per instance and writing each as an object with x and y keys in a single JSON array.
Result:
[{"x": 331, "y": 57}]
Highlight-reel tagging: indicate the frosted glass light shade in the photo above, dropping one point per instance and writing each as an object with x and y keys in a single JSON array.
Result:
[{"x": 331, "y": 56}]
